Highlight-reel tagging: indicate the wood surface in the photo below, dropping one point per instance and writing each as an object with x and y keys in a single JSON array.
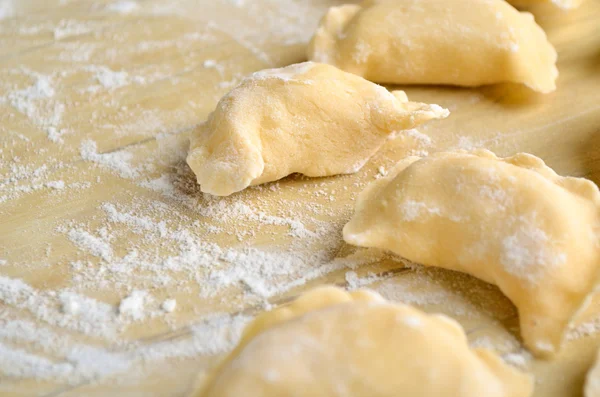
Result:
[{"x": 563, "y": 128}]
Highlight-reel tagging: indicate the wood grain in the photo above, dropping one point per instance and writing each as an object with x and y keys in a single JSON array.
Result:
[{"x": 165, "y": 45}]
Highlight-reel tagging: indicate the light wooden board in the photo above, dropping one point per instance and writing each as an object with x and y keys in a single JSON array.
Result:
[{"x": 165, "y": 88}]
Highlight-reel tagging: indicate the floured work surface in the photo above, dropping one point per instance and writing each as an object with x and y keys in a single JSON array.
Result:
[{"x": 116, "y": 273}]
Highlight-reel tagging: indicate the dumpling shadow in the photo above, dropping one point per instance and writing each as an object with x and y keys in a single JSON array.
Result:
[
  {"x": 184, "y": 180},
  {"x": 480, "y": 307},
  {"x": 505, "y": 94},
  {"x": 418, "y": 91},
  {"x": 593, "y": 62},
  {"x": 589, "y": 155},
  {"x": 513, "y": 95}
]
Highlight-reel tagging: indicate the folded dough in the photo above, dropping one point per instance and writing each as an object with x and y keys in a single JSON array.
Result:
[
  {"x": 512, "y": 222},
  {"x": 333, "y": 343},
  {"x": 308, "y": 118},
  {"x": 457, "y": 42}
]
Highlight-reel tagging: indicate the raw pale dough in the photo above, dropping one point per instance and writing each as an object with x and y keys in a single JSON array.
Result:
[
  {"x": 333, "y": 343},
  {"x": 592, "y": 381},
  {"x": 436, "y": 42},
  {"x": 564, "y": 4},
  {"x": 512, "y": 222},
  {"x": 308, "y": 118}
]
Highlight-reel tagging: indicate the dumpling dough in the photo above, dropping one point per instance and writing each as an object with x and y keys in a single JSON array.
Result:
[
  {"x": 512, "y": 222},
  {"x": 333, "y": 343},
  {"x": 564, "y": 4},
  {"x": 592, "y": 381},
  {"x": 436, "y": 42},
  {"x": 308, "y": 118}
]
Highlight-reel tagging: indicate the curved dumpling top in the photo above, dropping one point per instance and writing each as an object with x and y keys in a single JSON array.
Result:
[
  {"x": 309, "y": 118},
  {"x": 436, "y": 42},
  {"x": 332, "y": 343},
  {"x": 512, "y": 222}
]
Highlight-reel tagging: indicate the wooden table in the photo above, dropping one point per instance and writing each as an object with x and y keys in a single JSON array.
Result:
[{"x": 97, "y": 99}]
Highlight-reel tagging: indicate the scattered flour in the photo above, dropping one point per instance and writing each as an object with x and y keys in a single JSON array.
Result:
[
  {"x": 67, "y": 28},
  {"x": 23, "y": 99},
  {"x": 35, "y": 101},
  {"x": 421, "y": 290},
  {"x": 528, "y": 252},
  {"x": 520, "y": 359},
  {"x": 134, "y": 304},
  {"x": 7, "y": 9},
  {"x": 508, "y": 347},
  {"x": 109, "y": 78},
  {"x": 69, "y": 304},
  {"x": 469, "y": 143},
  {"x": 217, "y": 333},
  {"x": 24, "y": 179},
  {"x": 237, "y": 3},
  {"x": 355, "y": 282},
  {"x": 209, "y": 63},
  {"x": 98, "y": 318},
  {"x": 261, "y": 272},
  {"x": 585, "y": 329},
  {"x": 18, "y": 363},
  {"x": 414, "y": 210},
  {"x": 123, "y": 7},
  {"x": 117, "y": 161},
  {"x": 422, "y": 139},
  {"x": 58, "y": 185},
  {"x": 78, "y": 362},
  {"x": 415, "y": 139},
  {"x": 169, "y": 305},
  {"x": 95, "y": 245}
]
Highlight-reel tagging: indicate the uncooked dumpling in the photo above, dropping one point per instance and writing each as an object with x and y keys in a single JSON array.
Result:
[
  {"x": 457, "y": 42},
  {"x": 592, "y": 381},
  {"x": 308, "y": 118},
  {"x": 333, "y": 343},
  {"x": 564, "y": 4},
  {"x": 512, "y": 222}
]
